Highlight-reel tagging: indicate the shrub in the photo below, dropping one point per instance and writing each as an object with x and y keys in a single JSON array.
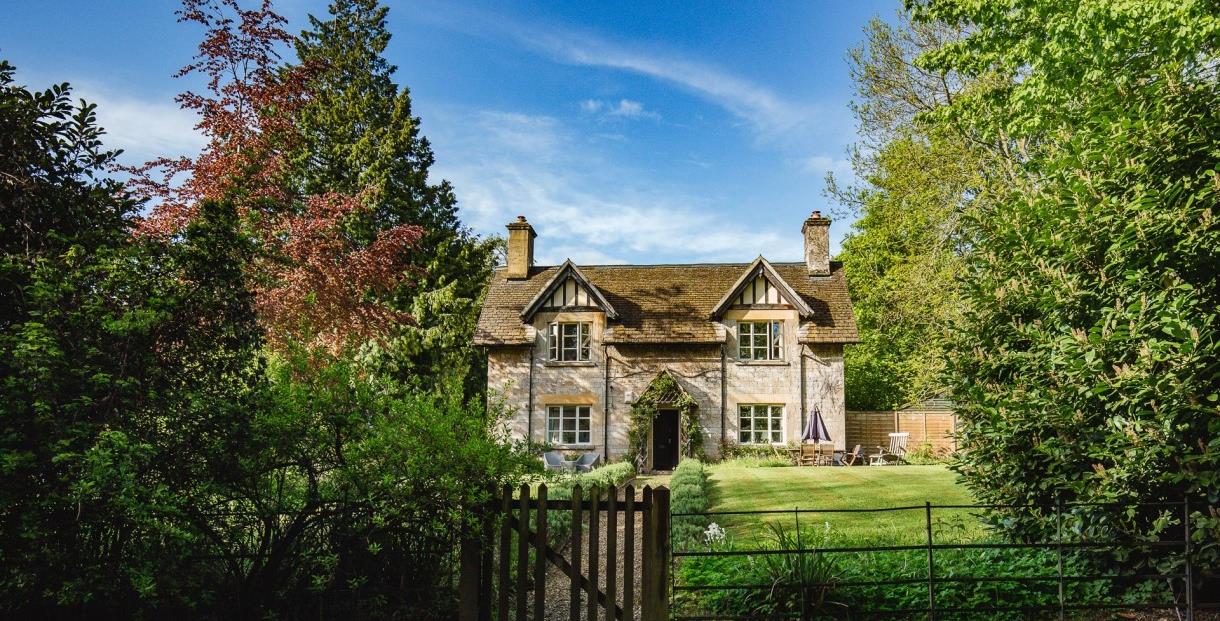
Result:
[
  {"x": 738, "y": 451},
  {"x": 559, "y": 523},
  {"x": 688, "y": 494}
]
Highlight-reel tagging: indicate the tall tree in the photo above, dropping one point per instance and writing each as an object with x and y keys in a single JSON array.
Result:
[
  {"x": 313, "y": 283},
  {"x": 125, "y": 368},
  {"x": 360, "y": 136},
  {"x": 902, "y": 256},
  {"x": 1086, "y": 365}
]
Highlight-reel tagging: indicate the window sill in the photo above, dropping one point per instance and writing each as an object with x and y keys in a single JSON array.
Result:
[
  {"x": 569, "y": 363},
  {"x": 572, "y": 447},
  {"x": 762, "y": 363}
]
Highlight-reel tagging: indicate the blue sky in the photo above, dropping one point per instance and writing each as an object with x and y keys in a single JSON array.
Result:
[{"x": 650, "y": 132}]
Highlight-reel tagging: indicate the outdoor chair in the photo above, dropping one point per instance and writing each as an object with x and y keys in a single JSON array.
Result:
[
  {"x": 850, "y": 458},
  {"x": 896, "y": 454},
  {"x": 587, "y": 461},
  {"x": 826, "y": 454},
  {"x": 553, "y": 460},
  {"x": 810, "y": 453},
  {"x": 898, "y": 446}
]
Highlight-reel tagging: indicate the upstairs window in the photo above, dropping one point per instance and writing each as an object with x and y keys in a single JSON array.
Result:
[
  {"x": 568, "y": 424},
  {"x": 760, "y": 340},
  {"x": 570, "y": 342}
]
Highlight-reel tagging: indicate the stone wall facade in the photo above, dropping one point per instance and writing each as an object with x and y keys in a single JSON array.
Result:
[{"x": 711, "y": 374}]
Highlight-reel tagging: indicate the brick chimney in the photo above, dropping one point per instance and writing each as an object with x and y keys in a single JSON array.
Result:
[
  {"x": 520, "y": 248},
  {"x": 817, "y": 244}
]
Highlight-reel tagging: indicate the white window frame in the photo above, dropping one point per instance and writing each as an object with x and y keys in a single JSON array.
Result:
[
  {"x": 570, "y": 341},
  {"x": 564, "y": 425},
  {"x": 760, "y": 340},
  {"x": 749, "y": 415}
]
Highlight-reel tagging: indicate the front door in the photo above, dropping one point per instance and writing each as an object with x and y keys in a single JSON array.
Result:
[{"x": 665, "y": 440}]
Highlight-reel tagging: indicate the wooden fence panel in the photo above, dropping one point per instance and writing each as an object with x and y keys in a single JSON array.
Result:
[{"x": 871, "y": 429}]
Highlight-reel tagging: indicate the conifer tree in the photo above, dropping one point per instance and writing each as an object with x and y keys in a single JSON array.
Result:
[{"x": 360, "y": 135}]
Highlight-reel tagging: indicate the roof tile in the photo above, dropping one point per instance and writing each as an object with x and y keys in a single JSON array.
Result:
[{"x": 668, "y": 303}]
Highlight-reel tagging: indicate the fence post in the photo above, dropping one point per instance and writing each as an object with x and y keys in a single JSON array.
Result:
[
  {"x": 1190, "y": 577},
  {"x": 574, "y": 592},
  {"x": 523, "y": 551},
  {"x": 800, "y": 563},
  {"x": 594, "y": 550},
  {"x": 487, "y": 561},
  {"x": 506, "y": 555},
  {"x": 540, "y": 555},
  {"x": 661, "y": 561},
  {"x": 646, "y": 537},
  {"x": 1059, "y": 551},
  {"x": 470, "y": 559},
  {"x": 931, "y": 568},
  {"x": 629, "y": 552}
]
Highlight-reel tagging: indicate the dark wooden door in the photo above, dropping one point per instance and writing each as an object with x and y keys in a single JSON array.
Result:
[{"x": 665, "y": 440}]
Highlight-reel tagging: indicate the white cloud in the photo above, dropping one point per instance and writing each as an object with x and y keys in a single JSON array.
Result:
[
  {"x": 143, "y": 128},
  {"x": 625, "y": 109},
  {"x": 822, "y": 164},
  {"x": 583, "y": 207},
  {"x": 770, "y": 115}
]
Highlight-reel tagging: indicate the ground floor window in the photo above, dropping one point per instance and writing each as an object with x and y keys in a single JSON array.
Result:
[
  {"x": 568, "y": 424},
  {"x": 760, "y": 424}
]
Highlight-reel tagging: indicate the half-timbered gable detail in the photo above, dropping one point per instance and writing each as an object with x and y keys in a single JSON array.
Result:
[
  {"x": 568, "y": 289},
  {"x": 760, "y": 285}
]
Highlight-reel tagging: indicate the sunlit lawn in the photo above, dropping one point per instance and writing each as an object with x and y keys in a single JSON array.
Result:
[{"x": 736, "y": 487}]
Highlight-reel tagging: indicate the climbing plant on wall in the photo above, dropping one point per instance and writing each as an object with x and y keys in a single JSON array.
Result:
[{"x": 664, "y": 391}]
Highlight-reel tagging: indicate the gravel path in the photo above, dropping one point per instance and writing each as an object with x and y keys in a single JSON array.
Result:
[{"x": 558, "y": 584}]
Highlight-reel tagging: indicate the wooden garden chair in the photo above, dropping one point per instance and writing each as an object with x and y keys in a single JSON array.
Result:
[
  {"x": 850, "y": 458},
  {"x": 810, "y": 453}
]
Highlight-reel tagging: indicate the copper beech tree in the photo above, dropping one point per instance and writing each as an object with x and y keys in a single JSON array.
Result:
[{"x": 313, "y": 284}]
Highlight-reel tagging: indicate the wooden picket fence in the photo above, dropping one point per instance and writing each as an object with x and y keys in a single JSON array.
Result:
[{"x": 508, "y": 518}]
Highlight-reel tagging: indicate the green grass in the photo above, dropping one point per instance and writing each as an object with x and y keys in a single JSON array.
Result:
[{"x": 737, "y": 487}]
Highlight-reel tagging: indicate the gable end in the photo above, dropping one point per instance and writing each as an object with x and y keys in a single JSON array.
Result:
[{"x": 568, "y": 289}]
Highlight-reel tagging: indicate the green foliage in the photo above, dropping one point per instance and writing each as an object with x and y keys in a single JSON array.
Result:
[
  {"x": 644, "y": 411},
  {"x": 393, "y": 469},
  {"x": 154, "y": 464},
  {"x": 127, "y": 366},
  {"x": 1086, "y": 363},
  {"x": 360, "y": 136},
  {"x": 783, "y": 585},
  {"x": 902, "y": 257},
  {"x": 688, "y": 494},
  {"x": 559, "y": 523},
  {"x": 732, "y": 451}
]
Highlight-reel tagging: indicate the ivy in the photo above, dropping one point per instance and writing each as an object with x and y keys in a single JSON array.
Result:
[{"x": 645, "y": 410}]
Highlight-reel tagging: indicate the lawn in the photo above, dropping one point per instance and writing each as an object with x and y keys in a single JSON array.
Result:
[{"x": 738, "y": 486}]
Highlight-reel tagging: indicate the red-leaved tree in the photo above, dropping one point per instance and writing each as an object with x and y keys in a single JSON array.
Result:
[{"x": 313, "y": 285}]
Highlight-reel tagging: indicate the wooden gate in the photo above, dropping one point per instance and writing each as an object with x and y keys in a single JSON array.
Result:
[{"x": 497, "y": 579}]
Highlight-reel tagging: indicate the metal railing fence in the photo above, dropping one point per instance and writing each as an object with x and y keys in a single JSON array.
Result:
[{"x": 1180, "y": 582}]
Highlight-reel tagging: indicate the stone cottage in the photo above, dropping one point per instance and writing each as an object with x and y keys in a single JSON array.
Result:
[{"x": 746, "y": 351}]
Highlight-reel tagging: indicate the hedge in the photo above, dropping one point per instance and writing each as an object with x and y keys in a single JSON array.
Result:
[{"x": 688, "y": 494}]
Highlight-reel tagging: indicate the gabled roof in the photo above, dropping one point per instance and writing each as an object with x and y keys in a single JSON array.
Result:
[
  {"x": 566, "y": 271},
  {"x": 760, "y": 266},
  {"x": 667, "y": 304}
]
